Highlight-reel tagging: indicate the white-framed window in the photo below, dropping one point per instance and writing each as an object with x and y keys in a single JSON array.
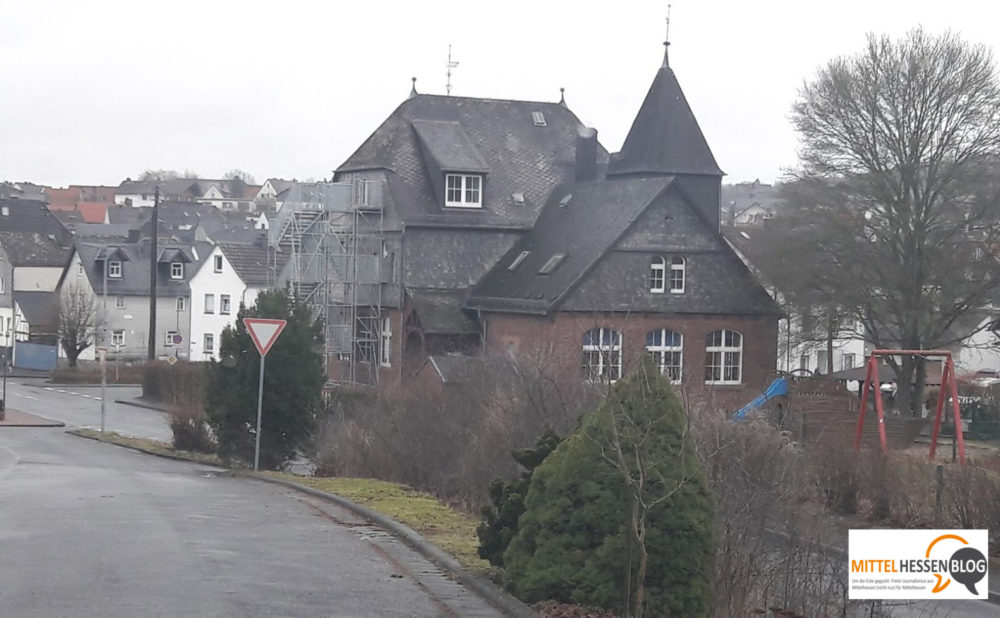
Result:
[
  {"x": 657, "y": 275},
  {"x": 169, "y": 337},
  {"x": 209, "y": 303},
  {"x": 602, "y": 354},
  {"x": 118, "y": 338},
  {"x": 3, "y": 285},
  {"x": 176, "y": 270},
  {"x": 724, "y": 357},
  {"x": 209, "y": 343},
  {"x": 115, "y": 269},
  {"x": 119, "y": 302},
  {"x": 79, "y": 269},
  {"x": 362, "y": 191},
  {"x": 667, "y": 349},
  {"x": 847, "y": 361},
  {"x": 218, "y": 263},
  {"x": 385, "y": 334},
  {"x": 181, "y": 303},
  {"x": 463, "y": 190},
  {"x": 677, "y": 267},
  {"x": 224, "y": 304},
  {"x": 804, "y": 361}
]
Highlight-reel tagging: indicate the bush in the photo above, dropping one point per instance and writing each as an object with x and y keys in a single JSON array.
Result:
[
  {"x": 507, "y": 501},
  {"x": 191, "y": 433},
  {"x": 173, "y": 383},
  {"x": 293, "y": 381},
  {"x": 127, "y": 374},
  {"x": 576, "y": 541}
]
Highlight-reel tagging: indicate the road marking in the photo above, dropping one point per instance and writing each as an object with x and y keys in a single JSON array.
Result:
[
  {"x": 49, "y": 388},
  {"x": 30, "y": 397},
  {"x": 59, "y": 390}
]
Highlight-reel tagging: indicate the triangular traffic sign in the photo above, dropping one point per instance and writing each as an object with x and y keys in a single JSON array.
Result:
[{"x": 264, "y": 332}]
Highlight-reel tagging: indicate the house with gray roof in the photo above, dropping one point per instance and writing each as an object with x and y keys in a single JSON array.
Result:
[{"x": 512, "y": 231}]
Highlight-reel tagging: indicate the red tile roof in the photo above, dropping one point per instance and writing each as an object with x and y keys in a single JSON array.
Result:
[
  {"x": 92, "y": 212},
  {"x": 63, "y": 199}
]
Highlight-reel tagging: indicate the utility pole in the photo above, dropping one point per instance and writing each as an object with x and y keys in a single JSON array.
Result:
[{"x": 152, "y": 275}]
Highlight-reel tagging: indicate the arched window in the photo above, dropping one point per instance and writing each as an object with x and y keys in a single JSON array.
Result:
[
  {"x": 602, "y": 354},
  {"x": 677, "y": 267},
  {"x": 657, "y": 275},
  {"x": 667, "y": 349},
  {"x": 724, "y": 357}
]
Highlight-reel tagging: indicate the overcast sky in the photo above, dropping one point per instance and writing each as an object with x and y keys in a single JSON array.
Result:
[{"x": 96, "y": 91}]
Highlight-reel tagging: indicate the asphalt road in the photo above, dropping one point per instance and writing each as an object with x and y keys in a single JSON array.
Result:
[
  {"x": 90, "y": 529},
  {"x": 80, "y": 406}
]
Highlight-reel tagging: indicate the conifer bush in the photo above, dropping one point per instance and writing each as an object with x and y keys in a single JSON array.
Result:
[{"x": 577, "y": 541}]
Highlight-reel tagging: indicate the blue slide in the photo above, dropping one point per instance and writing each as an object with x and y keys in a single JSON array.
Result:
[{"x": 778, "y": 387}]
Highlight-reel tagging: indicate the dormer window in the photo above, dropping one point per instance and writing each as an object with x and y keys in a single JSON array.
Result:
[
  {"x": 463, "y": 191},
  {"x": 677, "y": 268},
  {"x": 176, "y": 270},
  {"x": 115, "y": 269}
]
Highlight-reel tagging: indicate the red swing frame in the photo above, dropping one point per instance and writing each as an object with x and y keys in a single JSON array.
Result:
[{"x": 947, "y": 381}]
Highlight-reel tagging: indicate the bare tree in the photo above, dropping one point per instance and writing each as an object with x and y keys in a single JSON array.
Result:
[
  {"x": 159, "y": 175},
  {"x": 899, "y": 148},
  {"x": 78, "y": 321}
]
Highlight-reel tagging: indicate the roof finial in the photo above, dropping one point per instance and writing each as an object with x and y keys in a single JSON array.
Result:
[
  {"x": 413, "y": 89},
  {"x": 451, "y": 64},
  {"x": 666, "y": 42},
  {"x": 562, "y": 97}
]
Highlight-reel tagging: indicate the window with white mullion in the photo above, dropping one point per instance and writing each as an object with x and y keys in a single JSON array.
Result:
[
  {"x": 463, "y": 190},
  {"x": 677, "y": 272},
  {"x": 724, "y": 357},
  {"x": 602, "y": 355},
  {"x": 657, "y": 275},
  {"x": 667, "y": 349}
]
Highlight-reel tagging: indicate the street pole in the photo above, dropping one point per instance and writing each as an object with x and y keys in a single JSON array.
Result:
[
  {"x": 3, "y": 402},
  {"x": 154, "y": 231},
  {"x": 260, "y": 402},
  {"x": 104, "y": 388}
]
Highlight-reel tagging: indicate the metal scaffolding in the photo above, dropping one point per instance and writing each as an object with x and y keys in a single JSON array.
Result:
[{"x": 333, "y": 235}]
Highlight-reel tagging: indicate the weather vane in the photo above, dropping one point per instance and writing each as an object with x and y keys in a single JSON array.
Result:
[
  {"x": 666, "y": 40},
  {"x": 451, "y": 64}
]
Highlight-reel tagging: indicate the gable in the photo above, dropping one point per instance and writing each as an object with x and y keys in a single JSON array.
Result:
[{"x": 670, "y": 223}]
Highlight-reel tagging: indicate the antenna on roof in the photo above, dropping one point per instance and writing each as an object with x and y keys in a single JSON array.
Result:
[
  {"x": 451, "y": 64},
  {"x": 666, "y": 41},
  {"x": 413, "y": 89},
  {"x": 562, "y": 97}
]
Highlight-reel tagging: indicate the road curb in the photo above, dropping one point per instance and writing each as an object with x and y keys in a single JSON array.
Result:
[
  {"x": 139, "y": 449},
  {"x": 486, "y": 589},
  {"x": 139, "y": 404}
]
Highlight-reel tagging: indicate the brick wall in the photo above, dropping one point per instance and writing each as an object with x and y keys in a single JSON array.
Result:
[{"x": 558, "y": 339}]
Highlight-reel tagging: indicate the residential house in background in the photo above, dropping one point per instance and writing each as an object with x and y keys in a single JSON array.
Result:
[
  {"x": 232, "y": 275},
  {"x": 272, "y": 194},
  {"x": 6, "y": 303},
  {"x": 222, "y": 194},
  {"x": 24, "y": 191},
  {"x": 750, "y": 203}
]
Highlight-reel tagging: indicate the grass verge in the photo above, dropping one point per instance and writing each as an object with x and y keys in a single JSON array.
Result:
[
  {"x": 146, "y": 445},
  {"x": 451, "y": 530}
]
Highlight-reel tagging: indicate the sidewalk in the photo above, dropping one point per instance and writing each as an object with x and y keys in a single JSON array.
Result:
[{"x": 14, "y": 418}]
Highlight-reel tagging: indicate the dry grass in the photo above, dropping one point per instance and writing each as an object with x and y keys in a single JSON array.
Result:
[
  {"x": 451, "y": 530},
  {"x": 146, "y": 445}
]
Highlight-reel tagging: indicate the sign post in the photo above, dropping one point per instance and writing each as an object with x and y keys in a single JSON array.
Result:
[
  {"x": 102, "y": 357},
  {"x": 264, "y": 332}
]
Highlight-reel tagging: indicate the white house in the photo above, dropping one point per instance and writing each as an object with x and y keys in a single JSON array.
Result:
[
  {"x": 232, "y": 275},
  {"x": 273, "y": 193}
]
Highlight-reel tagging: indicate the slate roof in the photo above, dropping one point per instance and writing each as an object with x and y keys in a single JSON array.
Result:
[
  {"x": 582, "y": 230},
  {"x": 135, "y": 268},
  {"x": 34, "y": 249},
  {"x": 455, "y": 132},
  {"x": 665, "y": 137},
  {"x": 39, "y": 308},
  {"x": 440, "y": 312},
  {"x": 30, "y": 216},
  {"x": 254, "y": 264}
]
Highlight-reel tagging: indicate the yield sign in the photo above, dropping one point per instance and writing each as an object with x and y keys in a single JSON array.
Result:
[{"x": 264, "y": 332}]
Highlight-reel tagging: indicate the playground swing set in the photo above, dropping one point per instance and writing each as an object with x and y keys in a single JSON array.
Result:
[{"x": 949, "y": 387}]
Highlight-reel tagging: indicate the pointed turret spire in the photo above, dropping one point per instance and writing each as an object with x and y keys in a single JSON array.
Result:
[
  {"x": 666, "y": 42},
  {"x": 413, "y": 89}
]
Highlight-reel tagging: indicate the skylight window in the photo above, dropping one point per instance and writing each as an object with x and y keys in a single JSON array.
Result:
[
  {"x": 538, "y": 119},
  {"x": 552, "y": 264},
  {"x": 565, "y": 200},
  {"x": 517, "y": 261},
  {"x": 518, "y": 198}
]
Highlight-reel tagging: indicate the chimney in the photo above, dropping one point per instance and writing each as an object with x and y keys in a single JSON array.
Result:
[
  {"x": 586, "y": 154},
  {"x": 133, "y": 236}
]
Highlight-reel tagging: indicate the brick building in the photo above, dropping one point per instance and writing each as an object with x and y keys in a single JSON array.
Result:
[{"x": 509, "y": 229}]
